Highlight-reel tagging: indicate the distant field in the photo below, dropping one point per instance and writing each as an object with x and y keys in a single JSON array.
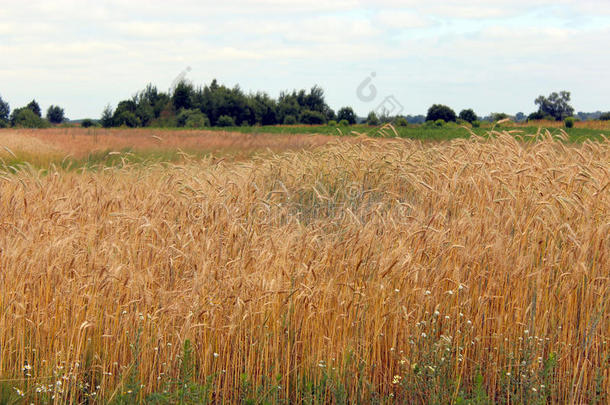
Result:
[
  {"x": 80, "y": 147},
  {"x": 279, "y": 268}
]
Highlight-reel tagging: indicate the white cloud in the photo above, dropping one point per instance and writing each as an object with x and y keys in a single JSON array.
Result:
[{"x": 450, "y": 49}]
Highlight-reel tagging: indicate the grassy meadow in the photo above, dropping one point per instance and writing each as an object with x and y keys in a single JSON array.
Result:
[{"x": 150, "y": 266}]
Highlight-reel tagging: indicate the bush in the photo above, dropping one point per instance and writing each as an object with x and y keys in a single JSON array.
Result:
[
  {"x": 290, "y": 120},
  {"x": 87, "y": 122},
  {"x": 128, "y": 119},
  {"x": 441, "y": 112},
  {"x": 348, "y": 114},
  {"x": 439, "y": 123},
  {"x": 312, "y": 117},
  {"x": 605, "y": 116},
  {"x": 332, "y": 123},
  {"x": 55, "y": 114},
  {"x": 197, "y": 120},
  {"x": 344, "y": 123},
  {"x": 401, "y": 122},
  {"x": 468, "y": 115},
  {"x": 192, "y": 119},
  {"x": 26, "y": 118},
  {"x": 225, "y": 121},
  {"x": 569, "y": 122},
  {"x": 372, "y": 119},
  {"x": 476, "y": 124}
]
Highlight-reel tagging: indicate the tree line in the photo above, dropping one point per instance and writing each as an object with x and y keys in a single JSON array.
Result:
[
  {"x": 218, "y": 105},
  {"x": 30, "y": 116}
]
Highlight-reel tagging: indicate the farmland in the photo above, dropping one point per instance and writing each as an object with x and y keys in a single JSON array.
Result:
[{"x": 269, "y": 266}]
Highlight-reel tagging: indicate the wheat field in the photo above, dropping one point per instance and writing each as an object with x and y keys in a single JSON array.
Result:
[{"x": 368, "y": 270}]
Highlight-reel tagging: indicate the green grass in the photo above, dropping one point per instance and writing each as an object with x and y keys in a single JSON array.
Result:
[
  {"x": 98, "y": 160},
  {"x": 422, "y": 132}
]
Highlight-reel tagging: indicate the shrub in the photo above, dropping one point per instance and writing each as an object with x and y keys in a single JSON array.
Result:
[
  {"x": 26, "y": 118},
  {"x": 372, "y": 119},
  {"x": 344, "y": 123},
  {"x": 476, "y": 124},
  {"x": 126, "y": 118},
  {"x": 440, "y": 112},
  {"x": 439, "y": 123},
  {"x": 225, "y": 121},
  {"x": 468, "y": 115},
  {"x": 401, "y": 122},
  {"x": 192, "y": 119},
  {"x": 87, "y": 122},
  {"x": 605, "y": 116},
  {"x": 312, "y": 117},
  {"x": 569, "y": 122},
  {"x": 332, "y": 123},
  {"x": 290, "y": 120},
  {"x": 348, "y": 114}
]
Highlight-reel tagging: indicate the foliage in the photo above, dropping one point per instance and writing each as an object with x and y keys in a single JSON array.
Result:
[
  {"x": 441, "y": 112},
  {"x": 33, "y": 105},
  {"x": 332, "y": 123},
  {"x": 26, "y": 118},
  {"x": 499, "y": 116},
  {"x": 468, "y": 115},
  {"x": 476, "y": 124},
  {"x": 439, "y": 123},
  {"x": 55, "y": 114},
  {"x": 290, "y": 120},
  {"x": 310, "y": 117},
  {"x": 5, "y": 111},
  {"x": 372, "y": 119},
  {"x": 569, "y": 122},
  {"x": 225, "y": 121},
  {"x": 88, "y": 122},
  {"x": 347, "y": 114},
  {"x": 555, "y": 105},
  {"x": 539, "y": 115},
  {"x": 605, "y": 116},
  {"x": 126, "y": 118},
  {"x": 183, "y": 96},
  {"x": 107, "y": 117},
  {"x": 344, "y": 123},
  {"x": 401, "y": 121},
  {"x": 192, "y": 119}
]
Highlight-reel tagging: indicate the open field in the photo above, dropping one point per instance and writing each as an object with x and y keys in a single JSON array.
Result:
[
  {"x": 80, "y": 147},
  {"x": 323, "y": 270}
]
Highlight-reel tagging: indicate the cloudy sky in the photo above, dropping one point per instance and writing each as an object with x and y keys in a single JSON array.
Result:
[{"x": 493, "y": 56}]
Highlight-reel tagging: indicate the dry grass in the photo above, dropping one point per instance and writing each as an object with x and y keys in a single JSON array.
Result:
[
  {"x": 51, "y": 145},
  {"x": 382, "y": 253}
]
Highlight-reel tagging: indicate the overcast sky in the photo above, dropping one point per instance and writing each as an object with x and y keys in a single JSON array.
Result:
[{"x": 493, "y": 56}]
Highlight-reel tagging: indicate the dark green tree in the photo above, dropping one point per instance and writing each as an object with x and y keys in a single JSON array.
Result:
[
  {"x": 33, "y": 105},
  {"x": 182, "y": 97},
  {"x": 26, "y": 118},
  {"x": 310, "y": 117},
  {"x": 55, "y": 114},
  {"x": 468, "y": 115},
  {"x": 107, "y": 117},
  {"x": 605, "y": 116},
  {"x": 5, "y": 111},
  {"x": 556, "y": 105},
  {"x": 347, "y": 113},
  {"x": 441, "y": 112},
  {"x": 226, "y": 121},
  {"x": 372, "y": 119}
]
